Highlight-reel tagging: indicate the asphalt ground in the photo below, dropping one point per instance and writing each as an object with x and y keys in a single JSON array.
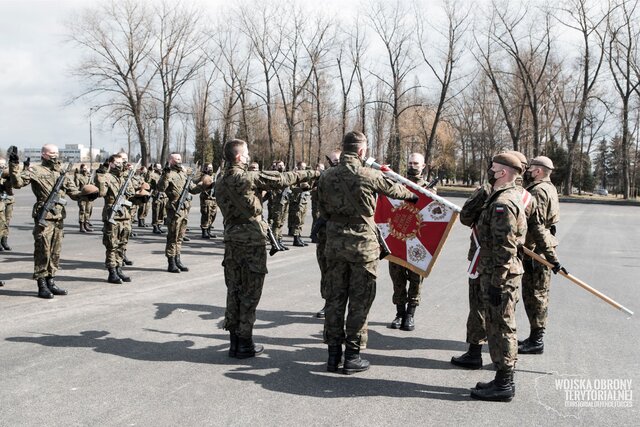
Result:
[{"x": 152, "y": 352}]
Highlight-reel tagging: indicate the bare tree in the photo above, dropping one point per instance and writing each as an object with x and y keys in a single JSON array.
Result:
[
  {"x": 117, "y": 38},
  {"x": 622, "y": 52},
  {"x": 391, "y": 23},
  {"x": 444, "y": 62}
]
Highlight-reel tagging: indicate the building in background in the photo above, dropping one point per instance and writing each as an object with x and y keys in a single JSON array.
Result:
[{"x": 70, "y": 153}]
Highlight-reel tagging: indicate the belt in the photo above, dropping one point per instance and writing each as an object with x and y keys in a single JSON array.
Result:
[{"x": 347, "y": 219}]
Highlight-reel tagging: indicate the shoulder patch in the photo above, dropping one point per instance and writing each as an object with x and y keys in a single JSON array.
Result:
[{"x": 499, "y": 209}]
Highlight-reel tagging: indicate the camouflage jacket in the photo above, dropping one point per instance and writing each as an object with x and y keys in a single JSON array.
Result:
[
  {"x": 82, "y": 179},
  {"x": 154, "y": 178},
  {"x": 172, "y": 184},
  {"x": 471, "y": 211},
  {"x": 42, "y": 179},
  {"x": 108, "y": 187},
  {"x": 238, "y": 193},
  {"x": 6, "y": 190},
  {"x": 208, "y": 194},
  {"x": 502, "y": 227},
  {"x": 348, "y": 236},
  {"x": 546, "y": 214}
]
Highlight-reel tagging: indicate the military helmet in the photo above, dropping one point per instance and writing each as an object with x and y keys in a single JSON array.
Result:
[
  {"x": 207, "y": 181},
  {"x": 88, "y": 189}
]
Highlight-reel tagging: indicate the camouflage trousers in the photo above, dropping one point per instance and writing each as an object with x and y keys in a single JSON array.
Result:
[
  {"x": 85, "y": 209},
  {"x": 353, "y": 283},
  {"x": 535, "y": 292},
  {"x": 6, "y": 213},
  {"x": 296, "y": 219},
  {"x": 322, "y": 262},
  {"x": 143, "y": 210},
  {"x": 208, "y": 212},
  {"x": 158, "y": 211},
  {"x": 245, "y": 268},
  {"x": 476, "y": 328},
  {"x": 501, "y": 323},
  {"x": 400, "y": 276},
  {"x": 176, "y": 229},
  {"x": 115, "y": 238},
  {"x": 46, "y": 248},
  {"x": 276, "y": 218}
]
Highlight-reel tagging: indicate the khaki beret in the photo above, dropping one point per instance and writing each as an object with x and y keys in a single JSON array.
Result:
[
  {"x": 507, "y": 159},
  {"x": 542, "y": 161},
  {"x": 519, "y": 155},
  {"x": 207, "y": 181},
  {"x": 88, "y": 189}
]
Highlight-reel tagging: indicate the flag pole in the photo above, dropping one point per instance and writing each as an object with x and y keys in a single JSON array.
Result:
[
  {"x": 371, "y": 162},
  {"x": 579, "y": 282}
]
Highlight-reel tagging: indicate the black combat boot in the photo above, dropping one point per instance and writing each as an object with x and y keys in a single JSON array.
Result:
[
  {"x": 211, "y": 233},
  {"x": 121, "y": 275},
  {"x": 205, "y": 235},
  {"x": 472, "y": 359},
  {"x": 533, "y": 344},
  {"x": 247, "y": 349},
  {"x": 126, "y": 260},
  {"x": 5, "y": 244},
  {"x": 82, "y": 228},
  {"x": 353, "y": 363},
  {"x": 173, "y": 268},
  {"x": 186, "y": 238},
  {"x": 43, "y": 289},
  {"x": 335, "y": 358},
  {"x": 180, "y": 265},
  {"x": 407, "y": 321},
  {"x": 233, "y": 344},
  {"x": 88, "y": 227},
  {"x": 321, "y": 313},
  {"x": 140, "y": 223},
  {"x": 1, "y": 282},
  {"x": 1, "y": 248},
  {"x": 113, "y": 276},
  {"x": 51, "y": 284},
  {"x": 400, "y": 311},
  {"x": 481, "y": 385},
  {"x": 282, "y": 245},
  {"x": 156, "y": 229},
  {"x": 501, "y": 389},
  {"x": 297, "y": 241}
]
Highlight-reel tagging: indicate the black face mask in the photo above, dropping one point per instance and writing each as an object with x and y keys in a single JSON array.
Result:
[
  {"x": 413, "y": 172},
  {"x": 491, "y": 176},
  {"x": 280, "y": 169},
  {"x": 52, "y": 163},
  {"x": 527, "y": 178}
]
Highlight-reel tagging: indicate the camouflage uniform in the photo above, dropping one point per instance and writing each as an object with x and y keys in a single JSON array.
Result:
[
  {"x": 172, "y": 184},
  {"x": 352, "y": 247},
  {"x": 85, "y": 207},
  {"x": 298, "y": 205},
  {"x": 540, "y": 239},
  {"x": 158, "y": 200},
  {"x": 238, "y": 193},
  {"x": 6, "y": 207},
  {"x": 401, "y": 275},
  {"x": 48, "y": 238},
  {"x": 115, "y": 236},
  {"x": 502, "y": 228},
  {"x": 278, "y": 205},
  {"x": 208, "y": 209}
]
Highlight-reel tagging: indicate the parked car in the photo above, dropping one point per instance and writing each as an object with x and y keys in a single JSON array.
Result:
[{"x": 601, "y": 192}]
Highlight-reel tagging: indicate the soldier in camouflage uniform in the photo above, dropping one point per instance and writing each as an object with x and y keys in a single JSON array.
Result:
[
  {"x": 47, "y": 238},
  {"x": 278, "y": 205},
  {"x": 540, "y": 239},
  {"x": 346, "y": 194},
  {"x": 319, "y": 233},
  {"x": 6, "y": 204},
  {"x": 115, "y": 236},
  {"x": 238, "y": 192},
  {"x": 298, "y": 205},
  {"x": 407, "y": 299},
  {"x": 208, "y": 206},
  {"x": 476, "y": 330},
  {"x": 173, "y": 180},
  {"x": 158, "y": 200},
  {"x": 85, "y": 207},
  {"x": 133, "y": 209},
  {"x": 143, "y": 202},
  {"x": 502, "y": 227},
  {"x": 315, "y": 213}
]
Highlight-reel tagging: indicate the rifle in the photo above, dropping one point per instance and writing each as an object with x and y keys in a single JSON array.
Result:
[
  {"x": 54, "y": 198},
  {"x": 212, "y": 191},
  {"x": 185, "y": 190},
  {"x": 433, "y": 182},
  {"x": 121, "y": 201}
]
